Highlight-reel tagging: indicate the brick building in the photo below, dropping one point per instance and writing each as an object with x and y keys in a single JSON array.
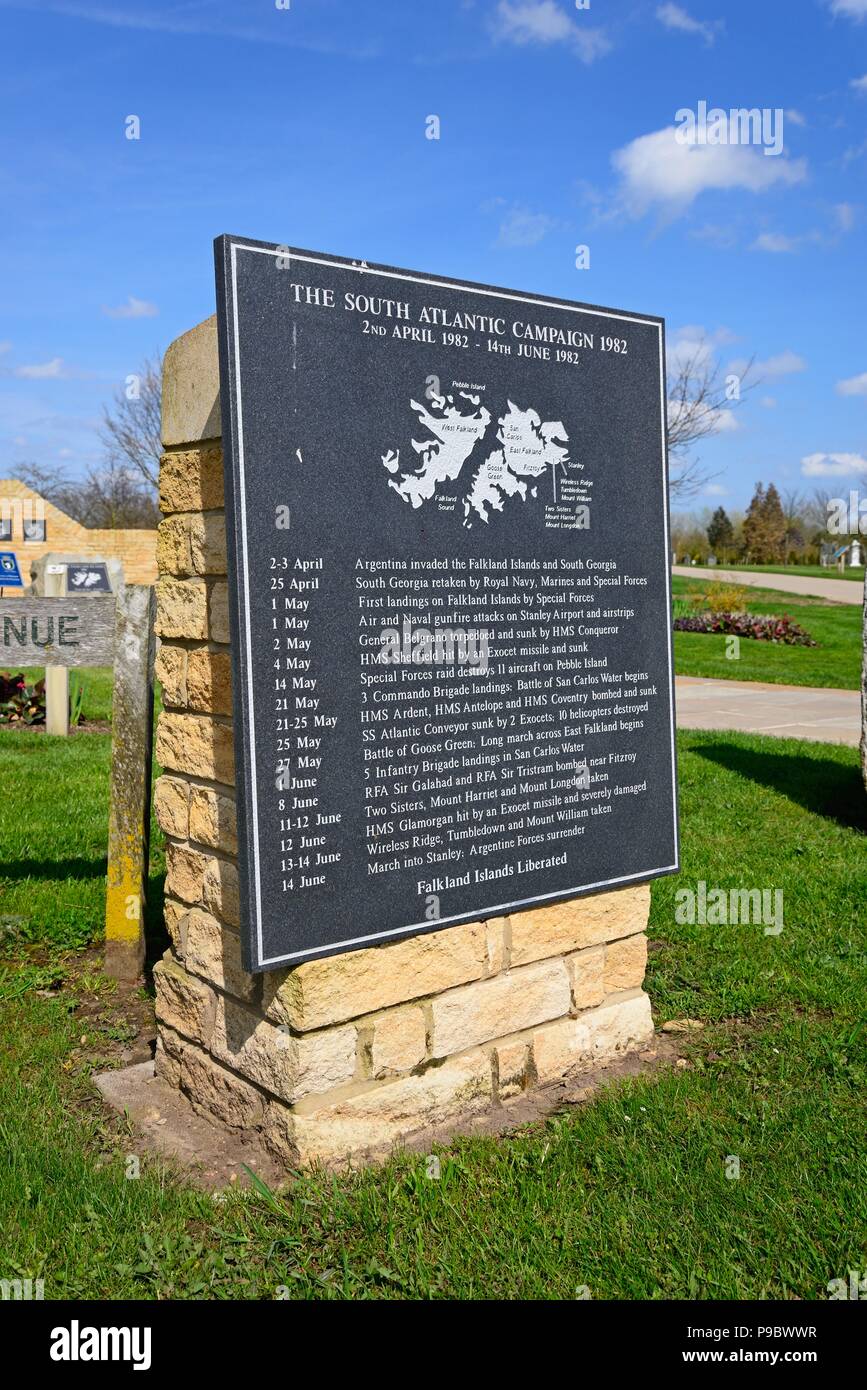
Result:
[{"x": 32, "y": 527}]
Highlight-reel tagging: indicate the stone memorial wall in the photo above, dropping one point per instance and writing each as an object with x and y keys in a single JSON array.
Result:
[{"x": 345, "y": 1055}]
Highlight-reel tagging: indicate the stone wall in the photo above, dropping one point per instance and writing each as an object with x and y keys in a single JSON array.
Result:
[{"x": 344, "y": 1056}]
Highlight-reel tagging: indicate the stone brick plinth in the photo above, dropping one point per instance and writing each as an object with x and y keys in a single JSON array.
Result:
[{"x": 342, "y": 1057}]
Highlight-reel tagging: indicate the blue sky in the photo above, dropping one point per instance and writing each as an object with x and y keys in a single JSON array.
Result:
[{"x": 306, "y": 125}]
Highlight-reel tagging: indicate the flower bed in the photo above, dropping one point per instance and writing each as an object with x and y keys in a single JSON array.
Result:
[
  {"x": 21, "y": 703},
  {"x": 764, "y": 628}
]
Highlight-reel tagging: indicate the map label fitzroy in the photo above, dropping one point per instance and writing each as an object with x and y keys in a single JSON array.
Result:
[{"x": 449, "y": 579}]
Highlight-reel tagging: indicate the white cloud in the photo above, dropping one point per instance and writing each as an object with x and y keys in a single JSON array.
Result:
[
  {"x": 5, "y": 345},
  {"x": 852, "y": 153},
  {"x": 769, "y": 402},
  {"x": 20, "y": 440},
  {"x": 716, "y": 420},
  {"x": 523, "y": 228},
  {"x": 542, "y": 21},
  {"x": 666, "y": 169},
  {"x": 832, "y": 465},
  {"x": 796, "y": 117},
  {"x": 783, "y": 364},
  {"x": 716, "y": 490},
  {"x": 716, "y": 235},
  {"x": 133, "y": 309},
  {"x": 723, "y": 421},
  {"x": 674, "y": 17},
  {"x": 852, "y": 9},
  {"x": 853, "y": 386},
  {"x": 693, "y": 343},
  {"x": 845, "y": 215},
  {"x": 860, "y": 84},
  {"x": 40, "y": 371},
  {"x": 775, "y": 243}
]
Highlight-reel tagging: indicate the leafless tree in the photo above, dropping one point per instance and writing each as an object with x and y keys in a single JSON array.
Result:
[
  {"x": 794, "y": 514},
  {"x": 817, "y": 510},
  {"x": 130, "y": 429},
  {"x": 116, "y": 496},
  {"x": 698, "y": 394},
  {"x": 107, "y": 497}
]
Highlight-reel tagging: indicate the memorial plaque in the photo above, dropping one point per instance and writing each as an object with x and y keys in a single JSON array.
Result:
[
  {"x": 87, "y": 577},
  {"x": 449, "y": 579}
]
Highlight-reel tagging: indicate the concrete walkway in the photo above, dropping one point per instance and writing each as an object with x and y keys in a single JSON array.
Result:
[
  {"x": 791, "y": 711},
  {"x": 837, "y": 590}
]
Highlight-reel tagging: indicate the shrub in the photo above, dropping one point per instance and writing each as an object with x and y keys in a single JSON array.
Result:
[
  {"x": 764, "y": 628},
  {"x": 724, "y": 598},
  {"x": 21, "y": 703}
]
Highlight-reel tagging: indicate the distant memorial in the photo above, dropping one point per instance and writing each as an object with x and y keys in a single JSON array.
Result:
[{"x": 449, "y": 599}]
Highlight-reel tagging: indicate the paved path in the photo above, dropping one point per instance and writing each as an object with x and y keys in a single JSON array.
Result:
[
  {"x": 838, "y": 590},
  {"x": 791, "y": 711}
]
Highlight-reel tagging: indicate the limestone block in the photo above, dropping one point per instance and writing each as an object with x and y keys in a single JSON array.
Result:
[
  {"x": 505, "y": 1004},
  {"x": 587, "y": 971},
  {"x": 213, "y": 819},
  {"x": 174, "y": 914},
  {"x": 170, "y": 669},
  {"x": 496, "y": 929},
  {"x": 213, "y": 1091},
  {"x": 286, "y": 1065},
  {"x": 171, "y": 807},
  {"x": 191, "y": 480},
  {"x": 320, "y": 992},
  {"x": 191, "y": 386},
  {"x": 209, "y": 682},
  {"x": 183, "y": 1003},
  {"x": 207, "y": 543},
  {"x": 221, "y": 891},
  {"x": 185, "y": 873},
  {"x": 173, "y": 545},
  {"x": 218, "y": 613},
  {"x": 196, "y": 744},
  {"x": 182, "y": 608},
  {"x": 213, "y": 951},
  {"x": 625, "y": 963},
  {"x": 385, "y": 1115},
  {"x": 596, "y": 1035},
  {"x": 512, "y": 1067},
  {"x": 399, "y": 1041},
  {"x": 167, "y": 1058},
  {"x": 569, "y": 926}
]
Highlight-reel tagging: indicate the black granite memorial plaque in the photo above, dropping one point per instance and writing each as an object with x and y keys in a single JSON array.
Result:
[{"x": 449, "y": 583}]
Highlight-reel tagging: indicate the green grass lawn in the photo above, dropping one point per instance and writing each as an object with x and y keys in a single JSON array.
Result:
[
  {"x": 835, "y": 662},
  {"x": 626, "y": 1195},
  {"x": 807, "y": 571}
]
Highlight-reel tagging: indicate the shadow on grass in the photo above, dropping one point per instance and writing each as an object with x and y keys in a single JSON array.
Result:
[
  {"x": 821, "y": 785},
  {"x": 54, "y": 868}
]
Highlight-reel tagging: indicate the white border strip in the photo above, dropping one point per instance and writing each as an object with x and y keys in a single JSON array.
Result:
[{"x": 245, "y": 579}]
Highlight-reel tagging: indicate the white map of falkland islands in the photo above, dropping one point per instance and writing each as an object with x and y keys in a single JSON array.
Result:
[{"x": 489, "y": 459}]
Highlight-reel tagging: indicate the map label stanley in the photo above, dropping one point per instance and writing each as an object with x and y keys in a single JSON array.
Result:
[{"x": 449, "y": 577}]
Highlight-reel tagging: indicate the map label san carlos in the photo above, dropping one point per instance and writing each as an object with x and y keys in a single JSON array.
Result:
[{"x": 449, "y": 576}]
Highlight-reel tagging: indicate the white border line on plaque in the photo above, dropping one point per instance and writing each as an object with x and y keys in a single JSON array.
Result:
[{"x": 496, "y": 907}]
